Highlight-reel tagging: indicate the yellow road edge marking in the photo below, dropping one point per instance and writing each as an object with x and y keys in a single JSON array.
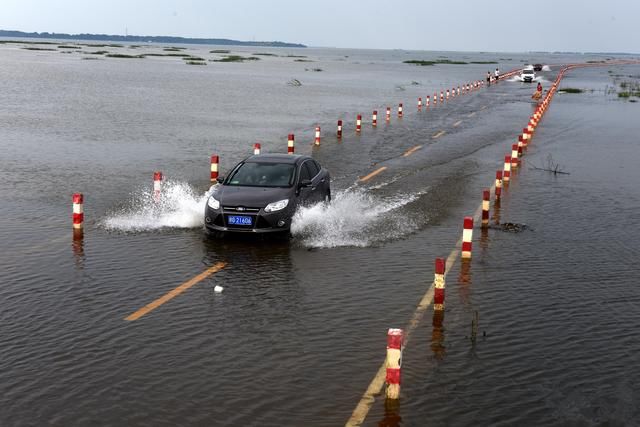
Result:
[
  {"x": 472, "y": 114},
  {"x": 439, "y": 134},
  {"x": 372, "y": 174},
  {"x": 175, "y": 292},
  {"x": 411, "y": 151},
  {"x": 375, "y": 386},
  {"x": 456, "y": 124}
]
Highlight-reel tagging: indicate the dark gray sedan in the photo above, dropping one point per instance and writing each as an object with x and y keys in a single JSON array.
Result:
[{"x": 261, "y": 193}]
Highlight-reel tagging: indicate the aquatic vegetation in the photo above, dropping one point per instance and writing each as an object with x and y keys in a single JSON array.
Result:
[
  {"x": 173, "y": 49},
  {"x": 122, "y": 55},
  {"x": 219, "y": 51},
  {"x": 195, "y": 63},
  {"x": 69, "y": 47},
  {"x": 192, "y": 58},
  {"x": 483, "y": 62},
  {"x": 97, "y": 52},
  {"x": 302, "y": 60},
  {"x": 264, "y": 54},
  {"x": 296, "y": 56},
  {"x": 37, "y": 48},
  {"x": 571, "y": 90},
  {"x": 418, "y": 62},
  {"x": 236, "y": 58}
]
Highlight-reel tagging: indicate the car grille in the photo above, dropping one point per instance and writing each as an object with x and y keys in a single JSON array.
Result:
[{"x": 240, "y": 209}]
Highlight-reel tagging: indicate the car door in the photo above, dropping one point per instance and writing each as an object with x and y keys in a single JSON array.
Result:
[{"x": 305, "y": 193}]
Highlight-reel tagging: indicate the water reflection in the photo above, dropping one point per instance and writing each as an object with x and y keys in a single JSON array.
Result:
[
  {"x": 77, "y": 246},
  {"x": 437, "y": 335},
  {"x": 392, "y": 416},
  {"x": 464, "y": 281}
]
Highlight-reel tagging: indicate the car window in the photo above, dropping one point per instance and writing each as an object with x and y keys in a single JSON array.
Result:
[
  {"x": 305, "y": 172},
  {"x": 262, "y": 175},
  {"x": 313, "y": 168}
]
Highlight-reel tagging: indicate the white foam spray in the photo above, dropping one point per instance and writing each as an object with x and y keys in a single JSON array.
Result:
[
  {"x": 180, "y": 206},
  {"x": 353, "y": 218}
]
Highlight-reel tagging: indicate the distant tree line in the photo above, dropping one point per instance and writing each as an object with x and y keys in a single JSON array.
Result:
[{"x": 143, "y": 39}]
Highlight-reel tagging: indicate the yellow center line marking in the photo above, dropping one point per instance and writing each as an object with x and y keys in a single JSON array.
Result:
[
  {"x": 483, "y": 107},
  {"x": 472, "y": 114},
  {"x": 439, "y": 134},
  {"x": 375, "y": 387},
  {"x": 177, "y": 291},
  {"x": 456, "y": 124},
  {"x": 412, "y": 150},
  {"x": 372, "y": 174}
]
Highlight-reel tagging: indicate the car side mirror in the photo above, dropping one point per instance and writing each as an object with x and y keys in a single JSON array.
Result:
[
  {"x": 304, "y": 183},
  {"x": 220, "y": 179}
]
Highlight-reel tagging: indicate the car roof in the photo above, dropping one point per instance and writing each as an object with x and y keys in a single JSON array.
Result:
[{"x": 276, "y": 158}]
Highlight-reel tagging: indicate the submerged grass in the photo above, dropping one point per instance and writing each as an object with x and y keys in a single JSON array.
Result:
[
  {"x": 483, "y": 62},
  {"x": 437, "y": 61},
  {"x": 264, "y": 54},
  {"x": 236, "y": 58},
  {"x": 38, "y": 48},
  {"x": 173, "y": 49},
  {"x": 69, "y": 47},
  {"x": 122, "y": 55},
  {"x": 195, "y": 63},
  {"x": 219, "y": 51},
  {"x": 570, "y": 90}
]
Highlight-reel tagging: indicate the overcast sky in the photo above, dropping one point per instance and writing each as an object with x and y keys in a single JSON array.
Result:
[{"x": 514, "y": 26}]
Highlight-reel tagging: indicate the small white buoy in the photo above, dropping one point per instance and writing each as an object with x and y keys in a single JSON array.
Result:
[{"x": 218, "y": 289}]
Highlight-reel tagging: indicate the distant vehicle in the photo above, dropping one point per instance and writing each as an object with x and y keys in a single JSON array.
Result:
[
  {"x": 262, "y": 192},
  {"x": 527, "y": 67},
  {"x": 528, "y": 75},
  {"x": 537, "y": 67}
]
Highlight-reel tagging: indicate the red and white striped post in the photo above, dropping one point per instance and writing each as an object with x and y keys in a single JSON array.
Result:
[
  {"x": 514, "y": 155},
  {"x": 438, "y": 285},
  {"x": 215, "y": 160},
  {"x": 395, "y": 339},
  {"x": 506, "y": 173},
  {"x": 78, "y": 211},
  {"x": 317, "y": 138},
  {"x": 435, "y": 98},
  {"x": 467, "y": 237},
  {"x": 374, "y": 118},
  {"x": 388, "y": 113},
  {"x": 520, "y": 154},
  {"x": 339, "y": 132},
  {"x": 520, "y": 142},
  {"x": 458, "y": 90},
  {"x": 359, "y": 123},
  {"x": 447, "y": 94},
  {"x": 291, "y": 141},
  {"x": 257, "y": 148},
  {"x": 157, "y": 185},
  {"x": 525, "y": 135},
  {"x": 498, "y": 184},
  {"x": 419, "y": 104},
  {"x": 441, "y": 96},
  {"x": 486, "y": 201},
  {"x": 400, "y": 110},
  {"x": 427, "y": 100}
]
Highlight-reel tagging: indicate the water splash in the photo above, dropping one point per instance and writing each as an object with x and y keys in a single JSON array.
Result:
[
  {"x": 180, "y": 206},
  {"x": 353, "y": 218}
]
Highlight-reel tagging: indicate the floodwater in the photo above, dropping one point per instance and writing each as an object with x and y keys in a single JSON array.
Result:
[{"x": 300, "y": 328}]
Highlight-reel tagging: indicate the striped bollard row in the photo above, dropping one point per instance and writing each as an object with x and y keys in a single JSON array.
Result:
[
  {"x": 257, "y": 148},
  {"x": 498, "y": 185},
  {"x": 317, "y": 138},
  {"x": 78, "y": 211},
  {"x": 514, "y": 156},
  {"x": 359, "y": 123},
  {"x": 506, "y": 173},
  {"x": 395, "y": 340},
  {"x": 438, "y": 285},
  {"x": 486, "y": 201},
  {"x": 374, "y": 118},
  {"x": 520, "y": 142},
  {"x": 467, "y": 237},
  {"x": 339, "y": 131},
  {"x": 215, "y": 160},
  {"x": 157, "y": 186},
  {"x": 291, "y": 140}
]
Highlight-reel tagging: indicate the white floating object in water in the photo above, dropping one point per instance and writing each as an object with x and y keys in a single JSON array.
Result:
[{"x": 218, "y": 289}]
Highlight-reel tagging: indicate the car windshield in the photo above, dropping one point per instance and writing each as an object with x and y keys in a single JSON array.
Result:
[
  {"x": 252, "y": 174},
  {"x": 528, "y": 71}
]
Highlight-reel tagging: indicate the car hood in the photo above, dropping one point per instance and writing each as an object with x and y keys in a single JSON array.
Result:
[{"x": 257, "y": 197}]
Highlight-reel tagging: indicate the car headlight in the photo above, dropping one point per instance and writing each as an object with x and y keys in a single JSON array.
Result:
[
  {"x": 213, "y": 203},
  {"x": 277, "y": 206}
]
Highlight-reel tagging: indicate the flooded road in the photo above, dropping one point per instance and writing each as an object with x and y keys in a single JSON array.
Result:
[{"x": 299, "y": 330}]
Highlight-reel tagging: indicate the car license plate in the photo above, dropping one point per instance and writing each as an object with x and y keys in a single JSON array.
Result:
[{"x": 239, "y": 220}]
